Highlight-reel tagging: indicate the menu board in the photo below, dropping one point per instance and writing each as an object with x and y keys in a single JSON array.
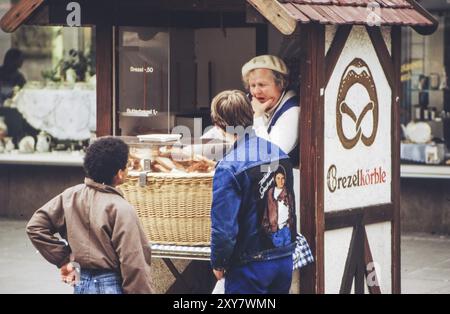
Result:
[{"x": 143, "y": 70}]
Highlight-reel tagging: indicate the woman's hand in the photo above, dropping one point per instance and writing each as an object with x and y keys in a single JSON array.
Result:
[{"x": 260, "y": 108}]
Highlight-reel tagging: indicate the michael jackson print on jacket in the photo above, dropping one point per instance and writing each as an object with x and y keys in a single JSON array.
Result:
[{"x": 278, "y": 208}]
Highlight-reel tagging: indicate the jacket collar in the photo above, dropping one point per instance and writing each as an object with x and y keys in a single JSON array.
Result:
[
  {"x": 102, "y": 187},
  {"x": 243, "y": 137}
]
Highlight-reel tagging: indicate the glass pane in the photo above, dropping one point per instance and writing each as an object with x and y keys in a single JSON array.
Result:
[
  {"x": 167, "y": 77},
  {"x": 143, "y": 54}
]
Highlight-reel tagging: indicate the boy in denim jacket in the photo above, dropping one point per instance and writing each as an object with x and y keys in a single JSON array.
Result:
[{"x": 253, "y": 209}]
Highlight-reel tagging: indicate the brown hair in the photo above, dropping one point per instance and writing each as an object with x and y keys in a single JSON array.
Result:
[{"x": 231, "y": 108}]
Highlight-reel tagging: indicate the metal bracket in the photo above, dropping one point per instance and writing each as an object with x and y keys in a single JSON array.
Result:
[
  {"x": 147, "y": 165},
  {"x": 143, "y": 178}
]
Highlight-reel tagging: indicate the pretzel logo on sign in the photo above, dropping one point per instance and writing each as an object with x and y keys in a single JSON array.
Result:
[{"x": 357, "y": 94}]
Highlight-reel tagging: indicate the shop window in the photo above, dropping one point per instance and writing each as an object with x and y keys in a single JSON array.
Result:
[
  {"x": 57, "y": 95},
  {"x": 425, "y": 108},
  {"x": 167, "y": 77}
]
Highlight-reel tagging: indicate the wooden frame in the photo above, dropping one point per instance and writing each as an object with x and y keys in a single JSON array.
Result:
[
  {"x": 274, "y": 12},
  {"x": 352, "y": 217},
  {"x": 382, "y": 52},
  {"x": 356, "y": 264},
  {"x": 311, "y": 155},
  {"x": 19, "y": 14},
  {"x": 105, "y": 85},
  {"x": 396, "y": 92},
  {"x": 335, "y": 50}
]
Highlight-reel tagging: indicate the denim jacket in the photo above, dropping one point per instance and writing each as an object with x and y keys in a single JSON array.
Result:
[{"x": 253, "y": 206}]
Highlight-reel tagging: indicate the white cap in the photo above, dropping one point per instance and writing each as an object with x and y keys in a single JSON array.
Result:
[{"x": 265, "y": 62}]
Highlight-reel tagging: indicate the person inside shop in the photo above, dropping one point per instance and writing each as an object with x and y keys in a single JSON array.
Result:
[
  {"x": 276, "y": 113},
  {"x": 276, "y": 107},
  {"x": 242, "y": 249},
  {"x": 10, "y": 76},
  {"x": 103, "y": 233}
]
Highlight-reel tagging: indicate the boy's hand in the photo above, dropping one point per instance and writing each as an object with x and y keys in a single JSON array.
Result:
[{"x": 68, "y": 274}]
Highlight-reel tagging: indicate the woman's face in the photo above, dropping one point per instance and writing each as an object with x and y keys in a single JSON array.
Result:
[
  {"x": 263, "y": 87},
  {"x": 279, "y": 180}
]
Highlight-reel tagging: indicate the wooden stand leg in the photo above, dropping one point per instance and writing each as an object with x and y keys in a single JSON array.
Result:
[{"x": 176, "y": 273}]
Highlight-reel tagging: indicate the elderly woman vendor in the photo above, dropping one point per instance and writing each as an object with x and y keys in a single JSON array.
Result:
[
  {"x": 276, "y": 118},
  {"x": 276, "y": 109}
]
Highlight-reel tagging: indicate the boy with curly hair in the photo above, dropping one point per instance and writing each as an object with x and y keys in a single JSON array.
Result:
[{"x": 100, "y": 229}]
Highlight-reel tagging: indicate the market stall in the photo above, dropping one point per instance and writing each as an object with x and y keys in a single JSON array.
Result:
[{"x": 156, "y": 59}]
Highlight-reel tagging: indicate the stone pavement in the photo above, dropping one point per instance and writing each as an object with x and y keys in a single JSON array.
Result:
[
  {"x": 425, "y": 264},
  {"x": 22, "y": 270}
]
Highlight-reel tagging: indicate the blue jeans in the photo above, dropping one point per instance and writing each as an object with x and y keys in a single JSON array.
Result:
[
  {"x": 282, "y": 237},
  {"x": 273, "y": 277},
  {"x": 99, "y": 282}
]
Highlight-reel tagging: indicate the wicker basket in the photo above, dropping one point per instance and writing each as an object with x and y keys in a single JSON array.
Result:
[{"x": 173, "y": 208}]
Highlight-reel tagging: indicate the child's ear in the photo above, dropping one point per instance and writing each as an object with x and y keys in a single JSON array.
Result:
[
  {"x": 119, "y": 177},
  {"x": 121, "y": 174}
]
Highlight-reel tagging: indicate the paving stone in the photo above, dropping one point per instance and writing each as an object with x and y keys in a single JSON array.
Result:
[
  {"x": 418, "y": 286},
  {"x": 442, "y": 290},
  {"x": 425, "y": 265}
]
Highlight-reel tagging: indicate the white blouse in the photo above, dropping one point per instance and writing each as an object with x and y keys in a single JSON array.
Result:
[
  {"x": 284, "y": 132},
  {"x": 283, "y": 210}
]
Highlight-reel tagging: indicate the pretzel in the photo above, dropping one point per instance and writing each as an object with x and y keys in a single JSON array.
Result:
[
  {"x": 200, "y": 166},
  {"x": 174, "y": 159},
  {"x": 158, "y": 168},
  {"x": 165, "y": 162}
]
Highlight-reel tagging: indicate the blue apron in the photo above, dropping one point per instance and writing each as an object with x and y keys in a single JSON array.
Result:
[{"x": 292, "y": 102}]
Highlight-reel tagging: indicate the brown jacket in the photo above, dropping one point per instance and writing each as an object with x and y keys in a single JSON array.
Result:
[
  {"x": 270, "y": 218},
  {"x": 102, "y": 231}
]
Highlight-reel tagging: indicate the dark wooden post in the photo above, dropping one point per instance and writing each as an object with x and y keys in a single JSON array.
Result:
[
  {"x": 312, "y": 74},
  {"x": 396, "y": 93},
  {"x": 261, "y": 39},
  {"x": 104, "y": 65}
]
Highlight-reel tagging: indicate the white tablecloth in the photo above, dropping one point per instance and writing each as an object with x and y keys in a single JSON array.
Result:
[{"x": 66, "y": 114}]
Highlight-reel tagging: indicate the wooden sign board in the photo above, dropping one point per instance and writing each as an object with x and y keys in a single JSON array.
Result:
[
  {"x": 358, "y": 164},
  {"x": 351, "y": 149},
  {"x": 357, "y": 134}
]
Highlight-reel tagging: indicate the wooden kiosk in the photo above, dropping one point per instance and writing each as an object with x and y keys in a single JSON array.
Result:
[{"x": 349, "y": 98}]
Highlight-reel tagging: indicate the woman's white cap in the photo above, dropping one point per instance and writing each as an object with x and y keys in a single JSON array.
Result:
[{"x": 265, "y": 62}]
